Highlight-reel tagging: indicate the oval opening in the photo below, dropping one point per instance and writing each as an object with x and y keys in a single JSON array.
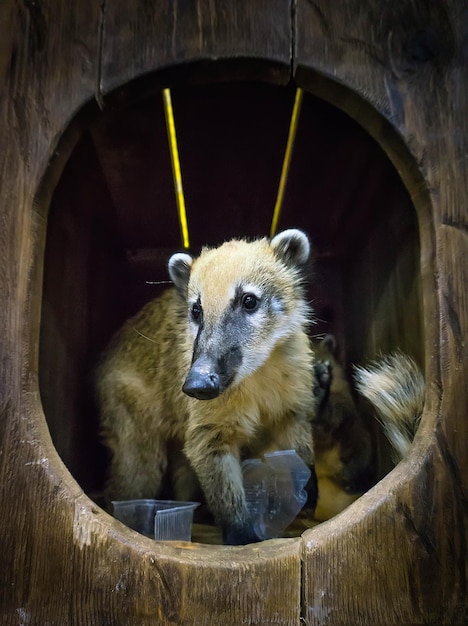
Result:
[{"x": 113, "y": 223}]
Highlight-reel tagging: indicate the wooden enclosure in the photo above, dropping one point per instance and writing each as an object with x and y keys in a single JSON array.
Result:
[
  {"x": 88, "y": 217},
  {"x": 113, "y": 221}
]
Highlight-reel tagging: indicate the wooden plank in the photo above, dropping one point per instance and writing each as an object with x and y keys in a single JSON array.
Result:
[
  {"x": 384, "y": 560},
  {"x": 40, "y": 96},
  {"x": 84, "y": 298},
  {"x": 65, "y": 561},
  {"x": 141, "y": 37},
  {"x": 48, "y": 70},
  {"x": 389, "y": 559}
]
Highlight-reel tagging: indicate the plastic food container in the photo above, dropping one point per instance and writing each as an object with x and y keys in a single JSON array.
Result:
[
  {"x": 274, "y": 490},
  {"x": 157, "y": 519}
]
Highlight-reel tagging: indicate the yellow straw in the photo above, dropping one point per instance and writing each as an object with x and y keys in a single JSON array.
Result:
[
  {"x": 179, "y": 191},
  {"x": 286, "y": 162}
]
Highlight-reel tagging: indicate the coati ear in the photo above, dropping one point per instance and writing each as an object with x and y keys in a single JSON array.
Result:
[
  {"x": 291, "y": 246},
  {"x": 179, "y": 267},
  {"x": 329, "y": 341}
]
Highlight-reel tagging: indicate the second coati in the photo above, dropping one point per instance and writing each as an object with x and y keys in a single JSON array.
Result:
[
  {"x": 342, "y": 444},
  {"x": 220, "y": 368},
  {"x": 394, "y": 387}
]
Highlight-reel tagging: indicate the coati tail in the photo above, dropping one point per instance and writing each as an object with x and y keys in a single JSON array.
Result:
[{"x": 395, "y": 387}]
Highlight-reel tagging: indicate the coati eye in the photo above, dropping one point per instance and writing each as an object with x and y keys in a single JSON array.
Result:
[
  {"x": 249, "y": 302},
  {"x": 196, "y": 311}
]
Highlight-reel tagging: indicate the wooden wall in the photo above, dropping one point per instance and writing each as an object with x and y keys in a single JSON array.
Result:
[
  {"x": 401, "y": 552},
  {"x": 83, "y": 302},
  {"x": 398, "y": 556},
  {"x": 113, "y": 223}
]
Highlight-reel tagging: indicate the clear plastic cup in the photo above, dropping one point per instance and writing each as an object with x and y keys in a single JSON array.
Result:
[
  {"x": 274, "y": 491},
  {"x": 173, "y": 520},
  {"x": 157, "y": 519}
]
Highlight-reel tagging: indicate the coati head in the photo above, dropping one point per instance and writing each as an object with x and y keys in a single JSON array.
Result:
[{"x": 243, "y": 298}]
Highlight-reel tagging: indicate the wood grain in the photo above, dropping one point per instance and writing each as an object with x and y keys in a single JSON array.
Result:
[
  {"x": 48, "y": 70},
  {"x": 198, "y": 32},
  {"x": 115, "y": 202},
  {"x": 398, "y": 555},
  {"x": 408, "y": 64},
  {"x": 64, "y": 560}
]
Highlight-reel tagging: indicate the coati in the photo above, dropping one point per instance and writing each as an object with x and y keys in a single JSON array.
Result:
[
  {"x": 342, "y": 444},
  {"x": 220, "y": 366},
  {"x": 395, "y": 388}
]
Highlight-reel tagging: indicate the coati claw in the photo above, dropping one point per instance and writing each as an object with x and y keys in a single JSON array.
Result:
[
  {"x": 322, "y": 382},
  {"x": 240, "y": 535}
]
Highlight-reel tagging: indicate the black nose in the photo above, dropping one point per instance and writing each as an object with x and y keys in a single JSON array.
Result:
[{"x": 201, "y": 385}]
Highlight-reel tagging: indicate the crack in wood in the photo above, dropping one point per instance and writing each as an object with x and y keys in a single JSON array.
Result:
[
  {"x": 38, "y": 29},
  {"x": 460, "y": 512},
  {"x": 454, "y": 322},
  {"x": 292, "y": 49},
  {"x": 458, "y": 224},
  {"x": 369, "y": 50},
  {"x": 98, "y": 92},
  {"x": 324, "y": 23}
]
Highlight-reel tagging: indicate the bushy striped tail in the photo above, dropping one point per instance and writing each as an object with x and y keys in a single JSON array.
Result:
[{"x": 395, "y": 387}]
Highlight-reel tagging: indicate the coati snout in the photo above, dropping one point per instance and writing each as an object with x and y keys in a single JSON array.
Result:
[
  {"x": 210, "y": 375},
  {"x": 202, "y": 381}
]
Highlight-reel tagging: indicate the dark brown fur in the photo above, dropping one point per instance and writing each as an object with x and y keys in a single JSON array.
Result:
[{"x": 343, "y": 454}]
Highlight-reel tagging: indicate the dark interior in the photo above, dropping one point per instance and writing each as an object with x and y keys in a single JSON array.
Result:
[{"x": 113, "y": 223}]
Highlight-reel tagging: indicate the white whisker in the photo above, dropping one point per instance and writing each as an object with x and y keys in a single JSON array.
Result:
[
  {"x": 145, "y": 337},
  {"x": 158, "y": 282}
]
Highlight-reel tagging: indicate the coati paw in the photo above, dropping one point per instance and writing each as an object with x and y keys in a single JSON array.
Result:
[
  {"x": 240, "y": 535},
  {"x": 323, "y": 374},
  {"x": 312, "y": 490},
  {"x": 322, "y": 382}
]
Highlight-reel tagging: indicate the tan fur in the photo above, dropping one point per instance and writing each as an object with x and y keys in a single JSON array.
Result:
[
  {"x": 342, "y": 443},
  {"x": 268, "y": 405},
  {"x": 332, "y": 499},
  {"x": 395, "y": 387}
]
